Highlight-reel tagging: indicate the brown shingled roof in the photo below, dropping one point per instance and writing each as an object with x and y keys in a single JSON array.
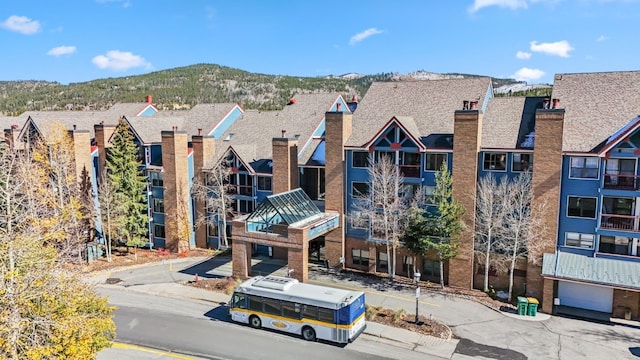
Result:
[
  {"x": 596, "y": 106},
  {"x": 431, "y": 104},
  {"x": 508, "y": 120},
  {"x": 254, "y": 130}
]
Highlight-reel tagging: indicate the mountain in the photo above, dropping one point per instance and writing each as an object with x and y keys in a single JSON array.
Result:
[{"x": 184, "y": 87}]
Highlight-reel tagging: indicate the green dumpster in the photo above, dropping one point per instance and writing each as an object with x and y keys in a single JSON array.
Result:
[
  {"x": 533, "y": 306},
  {"x": 522, "y": 305}
]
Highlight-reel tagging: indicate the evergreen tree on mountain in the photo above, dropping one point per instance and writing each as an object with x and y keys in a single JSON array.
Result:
[{"x": 124, "y": 172}]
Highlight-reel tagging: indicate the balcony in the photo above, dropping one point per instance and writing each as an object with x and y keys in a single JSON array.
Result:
[
  {"x": 619, "y": 222},
  {"x": 410, "y": 171},
  {"x": 621, "y": 182},
  {"x": 244, "y": 190}
]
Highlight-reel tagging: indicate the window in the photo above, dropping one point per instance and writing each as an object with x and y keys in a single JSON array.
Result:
[
  {"x": 325, "y": 315},
  {"x": 310, "y": 312},
  {"x": 495, "y": 161},
  {"x": 383, "y": 261},
  {"x": 407, "y": 263},
  {"x": 255, "y": 303},
  {"x": 584, "y": 167},
  {"x": 360, "y": 257},
  {"x": 409, "y": 158},
  {"x": 579, "y": 240},
  {"x": 582, "y": 207},
  {"x": 156, "y": 178},
  {"x": 264, "y": 183},
  {"x": 430, "y": 268},
  {"x": 212, "y": 230},
  {"x": 358, "y": 220},
  {"x": 391, "y": 155},
  {"x": 359, "y": 189},
  {"x": 290, "y": 310},
  {"x": 435, "y": 161},
  {"x": 272, "y": 306},
  {"x": 239, "y": 301},
  {"x": 158, "y": 205},
  {"x": 158, "y": 231},
  {"x": 522, "y": 162},
  {"x": 428, "y": 195},
  {"x": 360, "y": 159},
  {"x": 614, "y": 245}
]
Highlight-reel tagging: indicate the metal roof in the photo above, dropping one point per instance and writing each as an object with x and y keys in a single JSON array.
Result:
[{"x": 564, "y": 265}]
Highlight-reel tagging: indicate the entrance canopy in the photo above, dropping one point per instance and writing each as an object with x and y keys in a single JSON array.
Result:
[{"x": 287, "y": 208}]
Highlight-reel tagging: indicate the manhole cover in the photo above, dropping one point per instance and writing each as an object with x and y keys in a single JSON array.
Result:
[{"x": 113, "y": 280}]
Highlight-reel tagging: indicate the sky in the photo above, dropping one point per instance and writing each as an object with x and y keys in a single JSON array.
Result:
[{"x": 529, "y": 40}]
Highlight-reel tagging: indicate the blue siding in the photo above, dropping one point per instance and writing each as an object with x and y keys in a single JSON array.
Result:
[
  {"x": 577, "y": 187},
  {"x": 226, "y": 122},
  {"x": 148, "y": 111}
]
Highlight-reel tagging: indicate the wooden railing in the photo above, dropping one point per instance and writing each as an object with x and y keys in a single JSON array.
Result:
[
  {"x": 619, "y": 222},
  {"x": 621, "y": 181},
  {"x": 410, "y": 171}
]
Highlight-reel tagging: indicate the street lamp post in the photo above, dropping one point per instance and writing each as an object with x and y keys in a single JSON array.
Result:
[{"x": 417, "y": 277}]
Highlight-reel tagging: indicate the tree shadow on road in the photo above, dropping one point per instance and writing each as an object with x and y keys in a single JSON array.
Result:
[{"x": 219, "y": 313}]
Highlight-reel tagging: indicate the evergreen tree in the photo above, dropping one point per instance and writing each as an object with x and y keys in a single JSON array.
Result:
[{"x": 124, "y": 172}]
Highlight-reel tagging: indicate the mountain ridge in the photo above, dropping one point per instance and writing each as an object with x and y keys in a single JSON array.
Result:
[{"x": 183, "y": 87}]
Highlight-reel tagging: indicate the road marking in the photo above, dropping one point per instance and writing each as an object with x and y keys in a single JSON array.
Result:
[
  {"x": 371, "y": 292},
  {"x": 117, "y": 345}
]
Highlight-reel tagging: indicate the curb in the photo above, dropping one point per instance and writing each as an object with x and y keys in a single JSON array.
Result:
[{"x": 99, "y": 273}]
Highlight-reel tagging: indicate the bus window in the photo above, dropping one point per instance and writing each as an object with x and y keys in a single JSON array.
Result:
[
  {"x": 255, "y": 303},
  {"x": 325, "y": 315},
  {"x": 290, "y": 310},
  {"x": 272, "y": 306},
  {"x": 239, "y": 301},
  {"x": 310, "y": 312}
]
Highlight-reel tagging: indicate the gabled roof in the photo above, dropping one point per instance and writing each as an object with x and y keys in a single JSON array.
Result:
[
  {"x": 82, "y": 120},
  {"x": 596, "y": 105},
  {"x": 564, "y": 265},
  {"x": 206, "y": 117},
  {"x": 128, "y": 110},
  {"x": 620, "y": 135},
  {"x": 252, "y": 133},
  {"x": 431, "y": 104},
  {"x": 149, "y": 129},
  {"x": 509, "y": 121}
]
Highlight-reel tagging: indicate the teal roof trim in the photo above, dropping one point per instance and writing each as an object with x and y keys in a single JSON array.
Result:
[{"x": 620, "y": 273}]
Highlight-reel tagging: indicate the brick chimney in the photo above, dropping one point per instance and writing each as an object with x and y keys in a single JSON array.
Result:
[
  {"x": 149, "y": 99},
  {"x": 203, "y": 151}
]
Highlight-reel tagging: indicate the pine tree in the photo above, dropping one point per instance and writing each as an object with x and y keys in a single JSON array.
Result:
[
  {"x": 124, "y": 172},
  {"x": 444, "y": 225}
]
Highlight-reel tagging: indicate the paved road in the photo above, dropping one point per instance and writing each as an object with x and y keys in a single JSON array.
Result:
[{"x": 482, "y": 332}]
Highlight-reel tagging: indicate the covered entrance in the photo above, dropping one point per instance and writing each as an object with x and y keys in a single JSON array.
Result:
[{"x": 287, "y": 220}]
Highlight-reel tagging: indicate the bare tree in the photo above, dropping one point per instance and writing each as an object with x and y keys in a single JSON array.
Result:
[
  {"x": 215, "y": 192},
  {"x": 384, "y": 208},
  {"x": 111, "y": 211},
  {"x": 491, "y": 207}
]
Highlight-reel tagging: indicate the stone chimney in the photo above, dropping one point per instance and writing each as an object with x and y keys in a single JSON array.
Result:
[
  {"x": 547, "y": 170},
  {"x": 203, "y": 151},
  {"x": 338, "y": 127},
  {"x": 177, "y": 198},
  {"x": 82, "y": 152},
  {"x": 467, "y": 132},
  {"x": 285, "y": 164},
  {"x": 102, "y": 135}
]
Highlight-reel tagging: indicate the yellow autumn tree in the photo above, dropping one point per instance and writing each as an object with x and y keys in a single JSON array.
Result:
[{"x": 46, "y": 311}]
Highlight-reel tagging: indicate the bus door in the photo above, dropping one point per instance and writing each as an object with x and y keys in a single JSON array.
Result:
[{"x": 238, "y": 301}]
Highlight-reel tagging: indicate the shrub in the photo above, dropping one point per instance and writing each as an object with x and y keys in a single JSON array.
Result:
[{"x": 397, "y": 315}]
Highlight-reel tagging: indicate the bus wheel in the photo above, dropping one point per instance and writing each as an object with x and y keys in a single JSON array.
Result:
[
  {"x": 255, "y": 322},
  {"x": 308, "y": 333}
]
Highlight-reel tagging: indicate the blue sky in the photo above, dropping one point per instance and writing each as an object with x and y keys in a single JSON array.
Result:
[{"x": 530, "y": 40}]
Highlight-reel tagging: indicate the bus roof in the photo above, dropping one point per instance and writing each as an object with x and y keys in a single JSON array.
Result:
[{"x": 289, "y": 289}]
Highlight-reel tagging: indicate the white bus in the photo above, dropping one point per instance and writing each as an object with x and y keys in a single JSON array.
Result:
[{"x": 312, "y": 311}]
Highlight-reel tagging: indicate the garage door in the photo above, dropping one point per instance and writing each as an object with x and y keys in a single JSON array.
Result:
[{"x": 590, "y": 297}]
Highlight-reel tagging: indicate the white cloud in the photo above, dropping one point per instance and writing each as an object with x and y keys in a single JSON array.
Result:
[
  {"x": 526, "y": 74},
  {"x": 21, "y": 24},
  {"x": 511, "y": 4},
  {"x": 119, "y": 61},
  {"x": 363, "y": 35},
  {"x": 523, "y": 55},
  {"x": 602, "y": 38},
  {"x": 558, "y": 48},
  {"x": 62, "y": 50}
]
